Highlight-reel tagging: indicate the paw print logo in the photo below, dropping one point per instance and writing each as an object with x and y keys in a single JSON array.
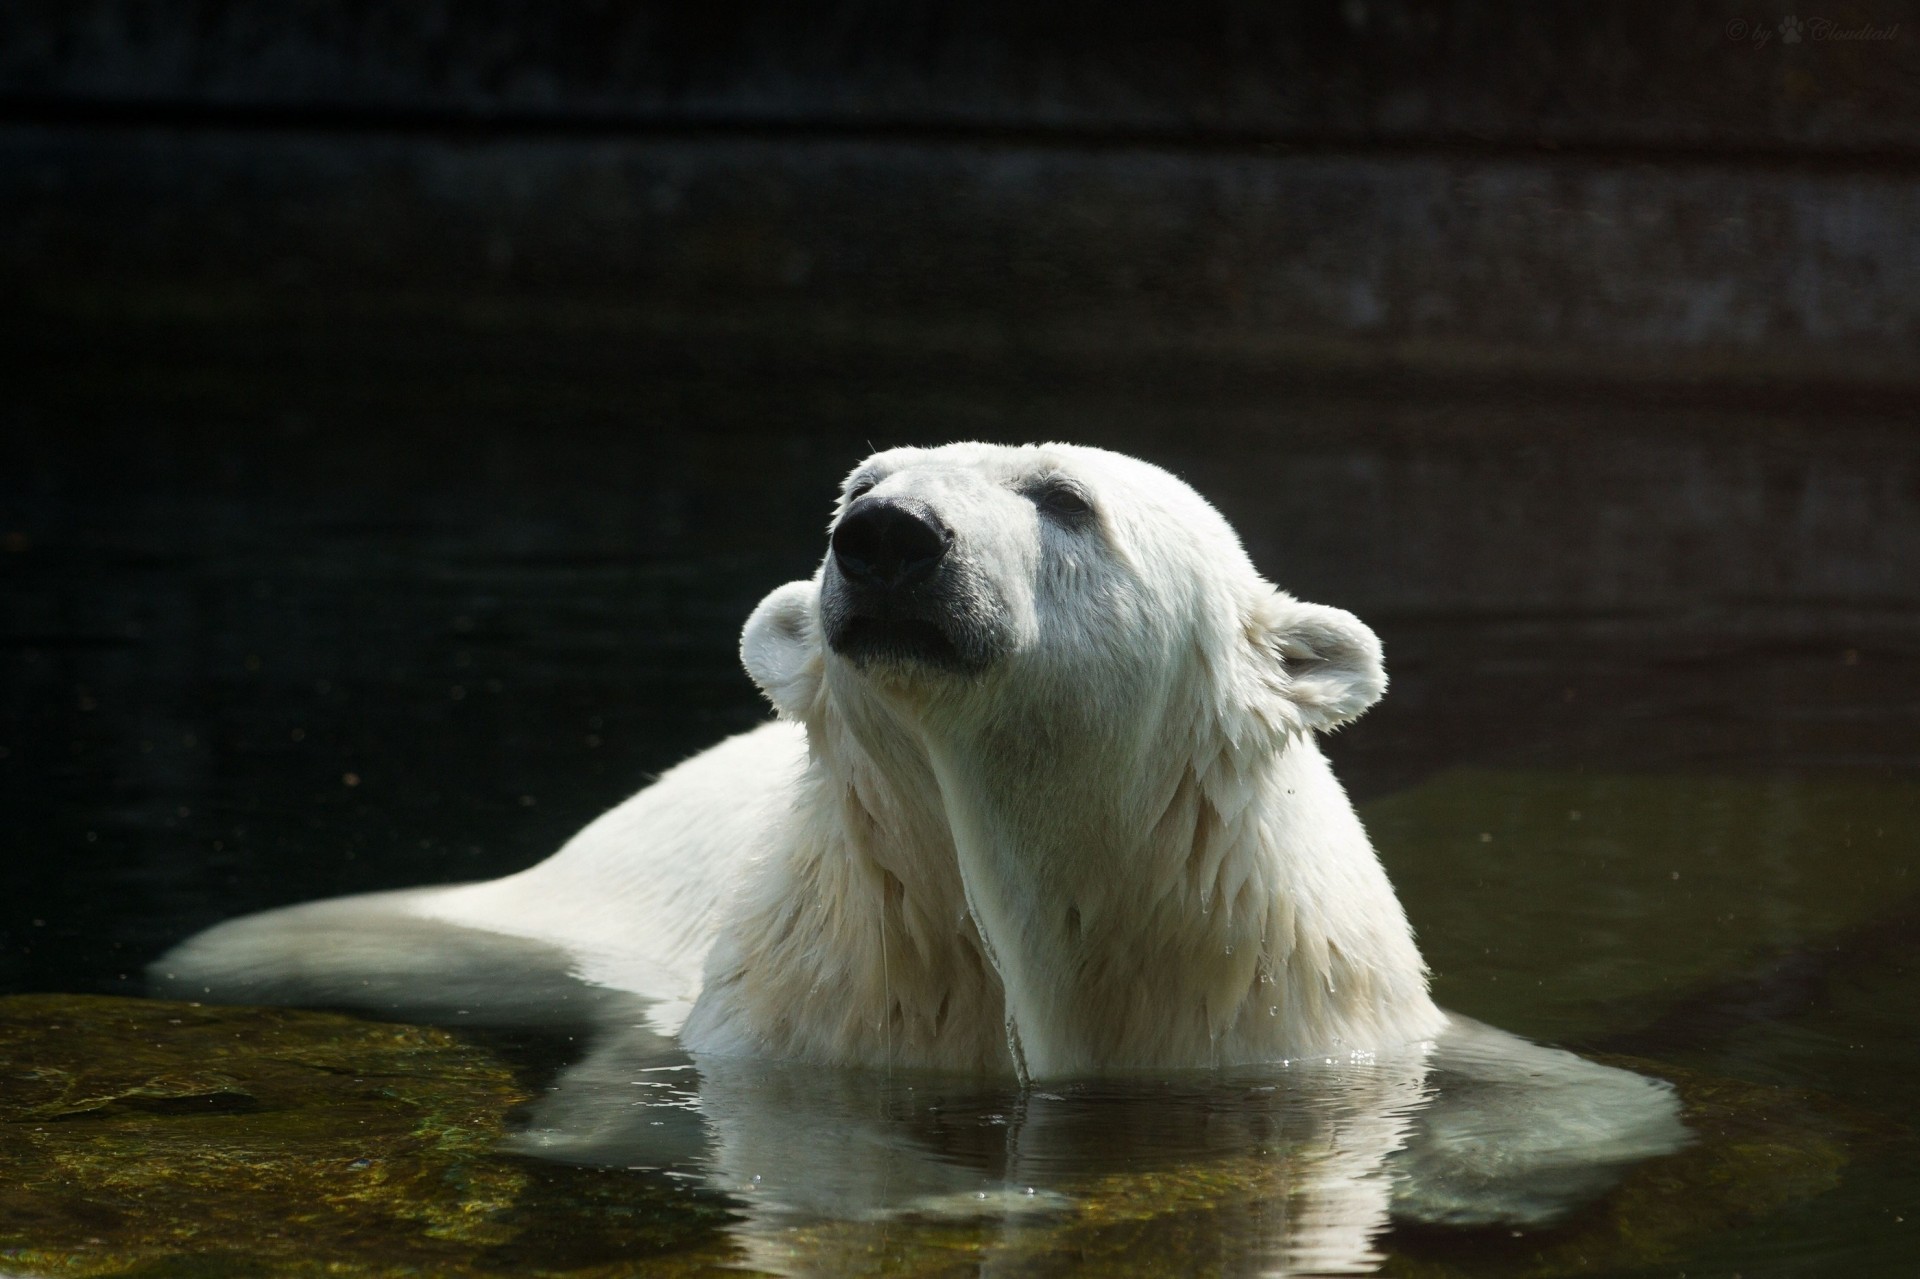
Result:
[{"x": 1790, "y": 29}]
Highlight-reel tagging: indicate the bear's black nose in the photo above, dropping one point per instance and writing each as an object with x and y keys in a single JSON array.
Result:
[{"x": 889, "y": 543}]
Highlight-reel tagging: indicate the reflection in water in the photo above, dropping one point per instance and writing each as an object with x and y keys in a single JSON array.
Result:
[
  {"x": 1301, "y": 1168},
  {"x": 1296, "y": 1164}
]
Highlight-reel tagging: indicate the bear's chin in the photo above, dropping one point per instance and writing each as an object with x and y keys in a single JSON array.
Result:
[{"x": 900, "y": 643}]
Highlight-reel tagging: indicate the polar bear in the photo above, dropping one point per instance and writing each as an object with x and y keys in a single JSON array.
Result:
[{"x": 1043, "y": 801}]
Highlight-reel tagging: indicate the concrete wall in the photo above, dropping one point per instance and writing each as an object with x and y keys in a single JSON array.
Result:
[
  {"x": 1637, "y": 192},
  {"x": 1641, "y": 74}
]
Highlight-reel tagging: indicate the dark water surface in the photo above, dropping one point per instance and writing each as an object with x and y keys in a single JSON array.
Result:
[{"x": 308, "y": 607}]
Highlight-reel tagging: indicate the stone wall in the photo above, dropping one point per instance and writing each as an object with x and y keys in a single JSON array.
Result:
[{"x": 1638, "y": 192}]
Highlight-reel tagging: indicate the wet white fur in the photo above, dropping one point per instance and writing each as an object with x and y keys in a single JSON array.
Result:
[{"x": 1118, "y": 848}]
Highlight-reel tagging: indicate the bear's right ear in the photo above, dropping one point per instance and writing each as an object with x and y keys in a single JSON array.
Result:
[{"x": 780, "y": 647}]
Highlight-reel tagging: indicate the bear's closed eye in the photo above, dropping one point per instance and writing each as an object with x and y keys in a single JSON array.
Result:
[{"x": 1063, "y": 500}]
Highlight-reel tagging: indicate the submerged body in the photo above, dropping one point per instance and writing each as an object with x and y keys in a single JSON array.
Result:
[{"x": 1043, "y": 801}]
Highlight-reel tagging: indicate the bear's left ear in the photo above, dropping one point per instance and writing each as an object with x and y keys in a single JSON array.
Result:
[
  {"x": 1323, "y": 662},
  {"x": 780, "y": 647}
]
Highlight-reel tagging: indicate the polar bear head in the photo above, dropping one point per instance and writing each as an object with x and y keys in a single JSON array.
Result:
[
  {"x": 1055, "y": 587},
  {"x": 1046, "y": 692}
]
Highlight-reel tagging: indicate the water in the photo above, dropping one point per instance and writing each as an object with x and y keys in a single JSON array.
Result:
[{"x": 298, "y": 609}]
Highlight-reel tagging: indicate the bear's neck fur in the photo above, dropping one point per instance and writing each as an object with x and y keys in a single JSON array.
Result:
[
  {"x": 853, "y": 944},
  {"x": 1225, "y": 909},
  {"x": 1059, "y": 904}
]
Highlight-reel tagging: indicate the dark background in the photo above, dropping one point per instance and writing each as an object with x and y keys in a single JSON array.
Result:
[{"x": 405, "y": 404}]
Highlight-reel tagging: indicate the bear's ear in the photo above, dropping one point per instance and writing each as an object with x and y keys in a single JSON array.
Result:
[
  {"x": 1324, "y": 662},
  {"x": 780, "y": 647}
]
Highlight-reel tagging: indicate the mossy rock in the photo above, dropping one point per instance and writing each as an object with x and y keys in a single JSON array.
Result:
[
  {"x": 140, "y": 1138},
  {"x": 148, "y": 1138}
]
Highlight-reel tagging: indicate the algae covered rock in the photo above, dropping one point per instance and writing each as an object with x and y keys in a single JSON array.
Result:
[{"x": 138, "y": 1135}]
